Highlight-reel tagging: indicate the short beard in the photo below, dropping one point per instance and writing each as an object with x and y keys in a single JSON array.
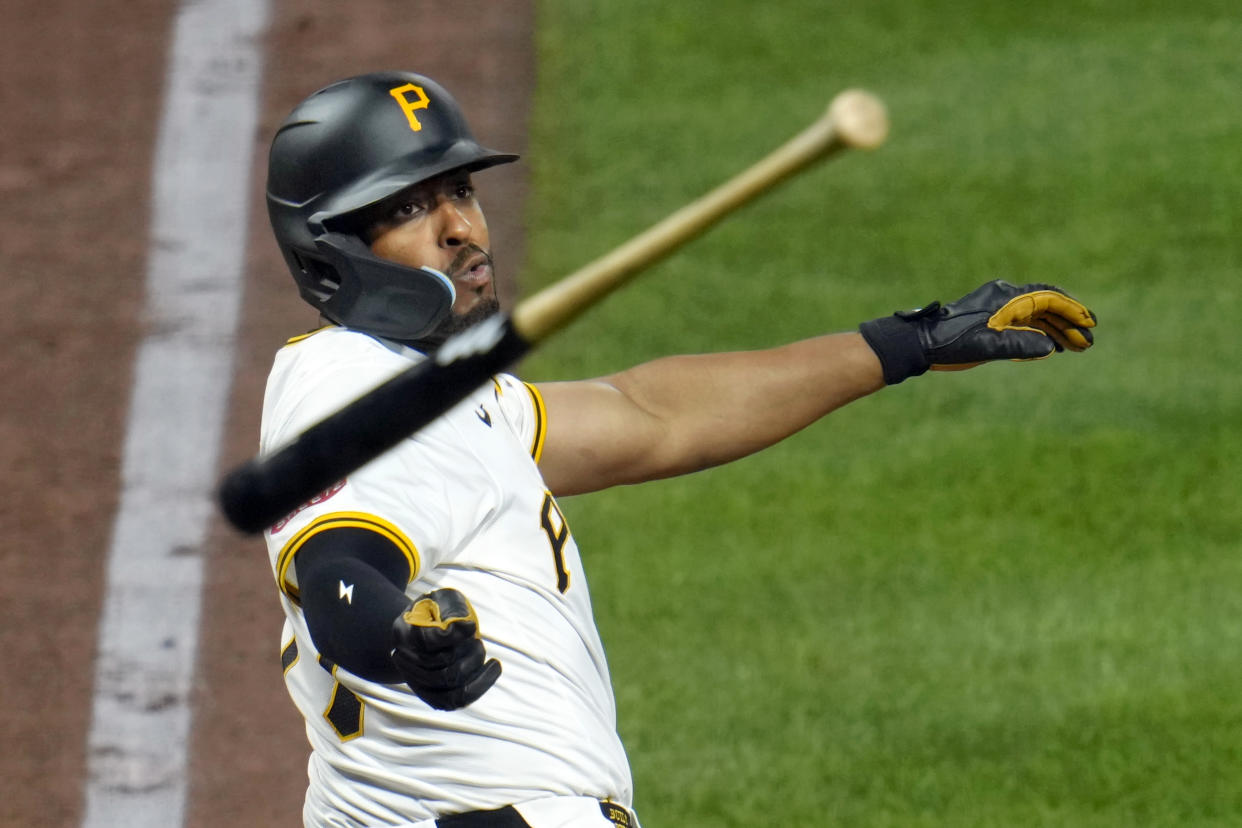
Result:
[{"x": 486, "y": 307}]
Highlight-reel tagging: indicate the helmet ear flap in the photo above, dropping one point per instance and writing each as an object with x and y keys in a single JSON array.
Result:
[
  {"x": 379, "y": 296},
  {"x": 319, "y": 282}
]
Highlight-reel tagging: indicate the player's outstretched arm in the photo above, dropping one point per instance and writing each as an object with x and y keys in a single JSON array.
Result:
[{"x": 681, "y": 414}]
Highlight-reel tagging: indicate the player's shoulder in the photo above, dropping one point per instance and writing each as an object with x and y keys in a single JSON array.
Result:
[
  {"x": 315, "y": 374},
  {"x": 333, "y": 342},
  {"x": 339, "y": 355}
]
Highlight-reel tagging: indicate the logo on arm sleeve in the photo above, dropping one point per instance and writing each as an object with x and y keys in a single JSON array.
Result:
[{"x": 342, "y": 520}]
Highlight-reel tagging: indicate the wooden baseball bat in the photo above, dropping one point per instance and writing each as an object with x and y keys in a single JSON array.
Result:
[{"x": 265, "y": 489}]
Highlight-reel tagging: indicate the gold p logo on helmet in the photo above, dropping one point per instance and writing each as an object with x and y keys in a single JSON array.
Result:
[{"x": 409, "y": 107}]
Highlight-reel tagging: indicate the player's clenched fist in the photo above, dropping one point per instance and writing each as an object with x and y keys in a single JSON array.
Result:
[
  {"x": 437, "y": 649},
  {"x": 995, "y": 321}
]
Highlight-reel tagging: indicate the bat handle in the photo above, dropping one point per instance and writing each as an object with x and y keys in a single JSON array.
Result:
[{"x": 266, "y": 489}]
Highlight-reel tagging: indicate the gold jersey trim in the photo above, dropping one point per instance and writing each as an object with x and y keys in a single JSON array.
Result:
[
  {"x": 296, "y": 339},
  {"x": 341, "y": 520},
  {"x": 541, "y": 421}
]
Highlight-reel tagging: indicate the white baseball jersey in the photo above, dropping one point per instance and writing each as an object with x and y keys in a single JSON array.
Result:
[{"x": 465, "y": 502}]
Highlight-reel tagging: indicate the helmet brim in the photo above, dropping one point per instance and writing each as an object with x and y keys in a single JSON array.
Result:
[{"x": 354, "y": 204}]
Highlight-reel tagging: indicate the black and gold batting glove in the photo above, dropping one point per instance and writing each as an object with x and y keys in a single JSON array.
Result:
[
  {"x": 996, "y": 321},
  {"x": 438, "y": 651}
]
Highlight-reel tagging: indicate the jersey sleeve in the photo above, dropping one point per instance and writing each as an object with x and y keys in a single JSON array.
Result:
[
  {"x": 522, "y": 408},
  {"x": 398, "y": 495}
]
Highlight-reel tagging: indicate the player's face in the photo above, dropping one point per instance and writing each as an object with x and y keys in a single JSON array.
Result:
[{"x": 439, "y": 224}]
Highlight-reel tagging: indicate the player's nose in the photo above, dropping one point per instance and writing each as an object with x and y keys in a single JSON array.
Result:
[{"x": 454, "y": 227}]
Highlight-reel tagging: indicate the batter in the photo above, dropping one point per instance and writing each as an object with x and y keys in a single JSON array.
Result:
[{"x": 439, "y": 639}]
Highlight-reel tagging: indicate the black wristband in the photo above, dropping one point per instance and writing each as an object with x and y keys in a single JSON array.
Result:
[{"x": 896, "y": 342}]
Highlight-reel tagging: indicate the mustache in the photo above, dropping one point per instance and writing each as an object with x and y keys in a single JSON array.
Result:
[{"x": 458, "y": 266}]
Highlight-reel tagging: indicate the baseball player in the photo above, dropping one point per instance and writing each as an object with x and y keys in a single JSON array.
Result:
[{"x": 439, "y": 638}]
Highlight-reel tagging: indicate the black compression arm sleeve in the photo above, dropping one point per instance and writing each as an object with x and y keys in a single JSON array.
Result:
[{"x": 351, "y": 583}]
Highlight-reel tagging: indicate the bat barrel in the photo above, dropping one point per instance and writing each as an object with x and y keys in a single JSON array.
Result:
[{"x": 854, "y": 119}]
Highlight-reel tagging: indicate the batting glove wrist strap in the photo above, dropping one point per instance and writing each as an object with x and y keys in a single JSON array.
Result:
[{"x": 896, "y": 342}]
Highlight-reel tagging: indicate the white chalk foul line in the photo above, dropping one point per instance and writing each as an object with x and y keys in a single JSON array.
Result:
[{"x": 148, "y": 635}]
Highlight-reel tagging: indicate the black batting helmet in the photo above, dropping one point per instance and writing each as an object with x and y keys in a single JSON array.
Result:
[{"x": 336, "y": 163}]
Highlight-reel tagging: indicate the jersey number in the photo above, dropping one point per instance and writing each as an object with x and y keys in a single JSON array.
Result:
[
  {"x": 345, "y": 710},
  {"x": 557, "y": 529}
]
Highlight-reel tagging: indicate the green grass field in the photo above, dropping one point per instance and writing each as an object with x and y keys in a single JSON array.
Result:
[{"x": 1008, "y": 597}]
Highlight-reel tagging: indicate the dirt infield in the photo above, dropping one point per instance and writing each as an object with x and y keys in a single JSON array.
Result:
[{"x": 81, "y": 89}]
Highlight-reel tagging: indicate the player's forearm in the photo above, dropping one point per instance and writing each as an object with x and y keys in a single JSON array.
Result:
[
  {"x": 349, "y": 608},
  {"x": 681, "y": 414},
  {"x": 719, "y": 407}
]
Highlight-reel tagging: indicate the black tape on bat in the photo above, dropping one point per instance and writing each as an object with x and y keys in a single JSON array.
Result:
[{"x": 261, "y": 492}]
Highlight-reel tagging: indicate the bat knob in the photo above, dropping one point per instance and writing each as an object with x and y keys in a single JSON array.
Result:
[{"x": 859, "y": 119}]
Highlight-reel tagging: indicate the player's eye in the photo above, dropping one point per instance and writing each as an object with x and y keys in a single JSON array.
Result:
[
  {"x": 407, "y": 210},
  {"x": 464, "y": 191}
]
